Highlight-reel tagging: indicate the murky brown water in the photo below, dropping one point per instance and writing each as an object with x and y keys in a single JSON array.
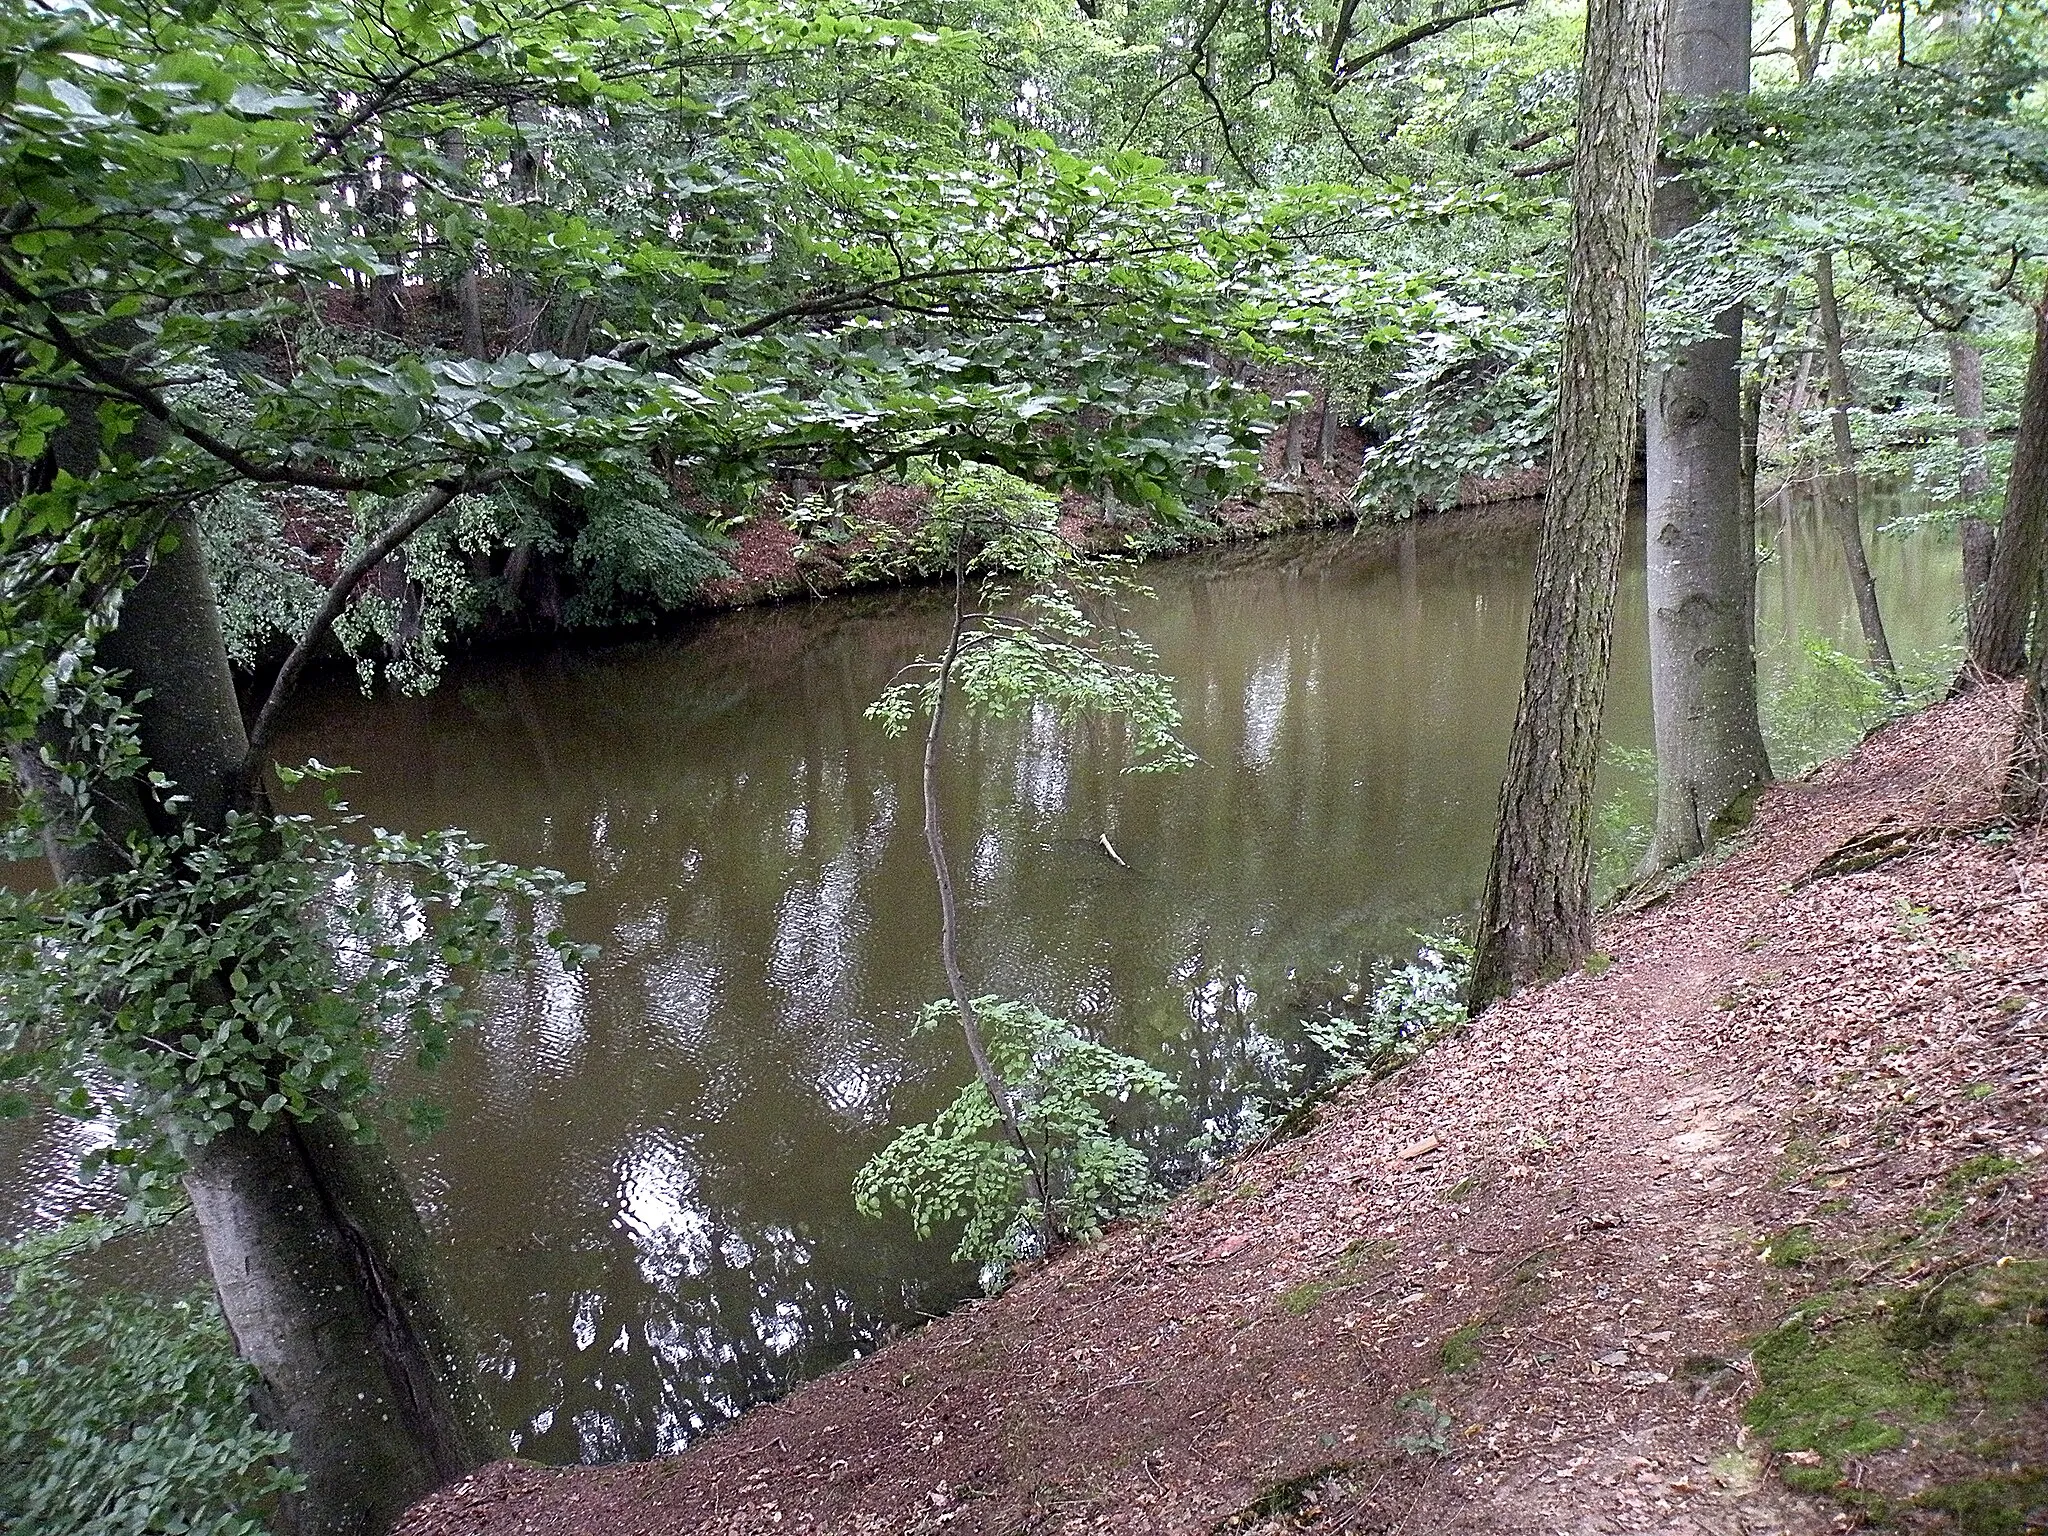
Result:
[{"x": 643, "y": 1187}]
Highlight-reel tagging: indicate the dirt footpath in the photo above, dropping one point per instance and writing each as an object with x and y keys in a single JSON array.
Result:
[{"x": 1515, "y": 1287}]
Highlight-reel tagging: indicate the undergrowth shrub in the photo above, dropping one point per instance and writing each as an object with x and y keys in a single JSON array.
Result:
[
  {"x": 1621, "y": 823},
  {"x": 636, "y": 555},
  {"x": 960, "y": 1168},
  {"x": 871, "y": 548},
  {"x": 405, "y": 636},
  {"x": 1388, "y": 1017},
  {"x": 124, "y": 1415},
  {"x": 1832, "y": 700},
  {"x": 984, "y": 496}
]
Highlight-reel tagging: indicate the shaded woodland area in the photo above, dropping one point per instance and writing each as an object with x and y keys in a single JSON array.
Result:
[{"x": 339, "y": 335}]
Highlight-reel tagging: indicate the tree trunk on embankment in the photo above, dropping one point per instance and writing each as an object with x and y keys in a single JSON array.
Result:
[
  {"x": 1998, "y": 641},
  {"x": 2025, "y": 792},
  {"x": 1536, "y": 916},
  {"x": 1701, "y": 546},
  {"x": 1973, "y": 477},
  {"x": 321, "y": 1264},
  {"x": 1842, "y": 498}
]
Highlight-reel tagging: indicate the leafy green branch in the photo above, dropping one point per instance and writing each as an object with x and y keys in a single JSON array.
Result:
[
  {"x": 228, "y": 981},
  {"x": 962, "y": 1168}
]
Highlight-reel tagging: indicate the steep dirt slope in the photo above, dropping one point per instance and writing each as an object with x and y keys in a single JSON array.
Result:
[{"x": 1511, "y": 1289}]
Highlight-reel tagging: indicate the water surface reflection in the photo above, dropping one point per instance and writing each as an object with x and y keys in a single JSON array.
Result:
[{"x": 643, "y": 1190}]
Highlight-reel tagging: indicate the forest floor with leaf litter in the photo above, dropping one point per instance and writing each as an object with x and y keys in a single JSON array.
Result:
[{"x": 1743, "y": 1234}]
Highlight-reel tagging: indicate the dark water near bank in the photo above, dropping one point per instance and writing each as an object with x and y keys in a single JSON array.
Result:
[{"x": 643, "y": 1187}]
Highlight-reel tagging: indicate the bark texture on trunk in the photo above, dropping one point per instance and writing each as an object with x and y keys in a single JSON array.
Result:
[
  {"x": 1840, "y": 499},
  {"x": 1702, "y": 560},
  {"x": 383, "y": 216},
  {"x": 2026, "y": 773},
  {"x": 469, "y": 301},
  {"x": 576, "y": 329},
  {"x": 1536, "y": 914},
  {"x": 318, "y": 1255},
  {"x": 323, "y": 1270},
  {"x": 1973, "y": 477},
  {"x": 1752, "y": 441},
  {"x": 324, "y": 1274},
  {"x": 1966, "y": 378},
  {"x": 1843, "y": 499},
  {"x": 1998, "y": 645},
  {"x": 522, "y": 308}
]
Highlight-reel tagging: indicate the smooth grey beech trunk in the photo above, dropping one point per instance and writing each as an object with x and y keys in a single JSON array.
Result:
[
  {"x": 322, "y": 1267},
  {"x": 1536, "y": 917},
  {"x": 317, "y": 1253},
  {"x": 1701, "y": 539}
]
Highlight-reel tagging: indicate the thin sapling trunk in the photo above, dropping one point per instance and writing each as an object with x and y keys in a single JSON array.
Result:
[
  {"x": 949, "y": 906},
  {"x": 1843, "y": 499},
  {"x": 1973, "y": 478}
]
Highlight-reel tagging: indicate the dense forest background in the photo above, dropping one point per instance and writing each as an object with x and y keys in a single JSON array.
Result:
[{"x": 797, "y": 262}]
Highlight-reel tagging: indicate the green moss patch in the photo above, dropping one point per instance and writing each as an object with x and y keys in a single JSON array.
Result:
[
  {"x": 1292, "y": 1502},
  {"x": 1789, "y": 1249},
  {"x": 1877, "y": 1377},
  {"x": 1460, "y": 1351},
  {"x": 1838, "y": 1391},
  {"x": 1964, "y": 1184},
  {"x": 1357, "y": 1263},
  {"x": 2008, "y": 1505},
  {"x": 1302, "y": 1299}
]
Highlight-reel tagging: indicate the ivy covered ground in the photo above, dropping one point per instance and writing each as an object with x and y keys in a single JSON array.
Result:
[{"x": 1743, "y": 1233}]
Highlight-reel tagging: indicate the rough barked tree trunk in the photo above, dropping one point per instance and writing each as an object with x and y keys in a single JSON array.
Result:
[
  {"x": 1755, "y": 386},
  {"x": 382, "y": 217},
  {"x": 1752, "y": 443},
  {"x": 469, "y": 301},
  {"x": 1297, "y": 438},
  {"x": 1973, "y": 476},
  {"x": 2026, "y": 773},
  {"x": 1843, "y": 500},
  {"x": 1998, "y": 645},
  {"x": 1702, "y": 555},
  {"x": 1536, "y": 915},
  {"x": 322, "y": 1267},
  {"x": 522, "y": 307},
  {"x": 575, "y": 342}
]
